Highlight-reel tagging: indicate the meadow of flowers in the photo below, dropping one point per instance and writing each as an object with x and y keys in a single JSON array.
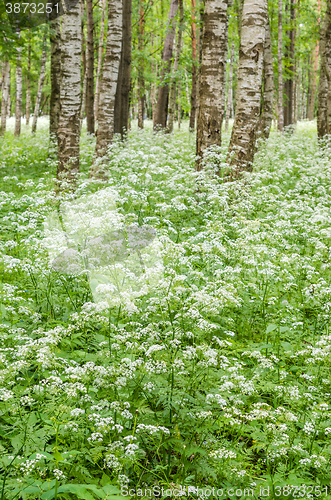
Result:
[{"x": 215, "y": 370}]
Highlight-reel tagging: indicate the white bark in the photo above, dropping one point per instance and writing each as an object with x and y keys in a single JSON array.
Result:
[
  {"x": 212, "y": 76},
  {"x": 70, "y": 100},
  {"x": 40, "y": 89},
  {"x": 108, "y": 83},
  {"x": 18, "y": 103},
  {"x": 243, "y": 137},
  {"x": 100, "y": 52},
  {"x": 5, "y": 92}
]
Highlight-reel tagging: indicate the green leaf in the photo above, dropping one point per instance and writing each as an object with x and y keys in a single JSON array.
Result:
[{"x": 271, "y": 327}]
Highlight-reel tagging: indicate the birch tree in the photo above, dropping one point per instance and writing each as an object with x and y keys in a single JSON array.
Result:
[
  {"x": 89, "y": 102},
  {"x": 141, "y": 82},
  {"x": 163, "y": 90},
  {"x": 100, "y": 53},
  {"x": 122, "y": 97},
  {"x": 193, "y": 110},
  {"x": 268, "y": 86},
  {"x": 212, "y": 76},
  {"x": 70, "y": 94},
  {"x": 28, "y": 87},
  {"x": 229, "y": 104},
  {"x": 18, "y": 103},
  {"x": 5, "y": 95},
  {"x": 248, "y": 102},
  {"x": 109, "y": 79},
  {"x": 54, "y": 108},
  {"x": 324, "y": 90},
  {"x": 172, "y": 96},
  {"x": 40, "y": 88},
  {"x": 280, "y": 67}
]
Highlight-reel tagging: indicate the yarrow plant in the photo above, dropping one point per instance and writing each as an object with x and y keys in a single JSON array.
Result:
[{"x": 215, "y": 370}]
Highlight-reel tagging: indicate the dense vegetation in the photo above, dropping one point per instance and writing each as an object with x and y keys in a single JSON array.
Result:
[{"x": 214, "y": 373}]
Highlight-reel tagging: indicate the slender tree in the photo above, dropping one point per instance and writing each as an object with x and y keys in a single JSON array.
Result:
[
  {"x": 18, "y": 103},
  {"x": 172, "y": 95},
  {"x": 268, "y": 87},
  {"x": 108, "y": 82},
  {"x": 248, "y": 102},
  {"x": 5, "y": 95},
  {"x": 100, "y": 53},
  {"x": 69, "y": 125},
  {"x": 288, "y": 104},
  {"x": 229, "y": 104},
  {"x": 324, "y": 90},
  {"x": 280, "y": 67},
  {"x": 54, "y": 107},
  {"x": 212, "y": 76},
  {"x": 193, "y": 111},
  {"x": 89, "y": 103},
  {"x": 40, "y": 88},
  {"x": 163, "y": 90},
  {"x": 123, "y": 90},
  {"x": 28, "y": 87},
  {"x": 141, "y": 65}
]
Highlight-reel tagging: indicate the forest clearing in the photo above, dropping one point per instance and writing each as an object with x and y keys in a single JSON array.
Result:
[{"x": 165, "y": 290}]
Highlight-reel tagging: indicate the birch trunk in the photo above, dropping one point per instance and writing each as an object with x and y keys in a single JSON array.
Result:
[
  {"x": 40, "y": 89},
  {"x": 89, "y": 103},
  {"x": 324, "y": 91},
  {"x": 123, "y": 90},
  {"x": 280, "y": 67},
  {"x": 28, "y": 88},
  {"x": 5, "y": 94},
  {"x": 18, "y": 103},
  {"x": 141, "y": 82},
  {"x": 289, "y": 83},
  {"x": 109, "y": 79},
  {"x": 163, "y": 91},
  {"x": 54, "y": 111},
  {"x": 172, "y": 96},
  {"x": 69, "y": 126},
  {"x": 243, "y": 137},
  {"x": 193, "y": 110},
  {"x": 229, "y": 104},
  {"x": 212, "y": 77},
  {"x": 268, "y": 87},
  {"x": 100, "y": 53}
]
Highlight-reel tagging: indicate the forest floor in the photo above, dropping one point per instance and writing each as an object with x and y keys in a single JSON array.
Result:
[{"x": 198, "y": 355}]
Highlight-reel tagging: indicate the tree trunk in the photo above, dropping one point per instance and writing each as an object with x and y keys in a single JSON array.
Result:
[
  {"x": 89, "y": 103},
  {"x": 193, "y": 111},
  {"x": 163, "y": 91},
  {"x": 40, "y": 89},
  {"x": 324, "y": 90},
  {"x": 229, "y": 104},
  {"x": 315, "y": 58},
  {"x": 109, "y": 79},
  {"x": 54, "y": 111},
  {"x": 212, "y": 73},
  {"x": 280, "y": 67},
  {"x": 141, "y": 81},
  {"x": 288, "y": 87},
  {"x": 18, "y": 103},
  {"x": 5, "y": 94},
  {"x": 28, "y": 88},
  {"x": 122, "y": 98},
  {"x": 69, "y": 126},
  {"x": 243, "y": 137},
  {"x": 172, "y": 96},
  {"x": 268, "y": 87},
  {"x": 100, "y": 52}
]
